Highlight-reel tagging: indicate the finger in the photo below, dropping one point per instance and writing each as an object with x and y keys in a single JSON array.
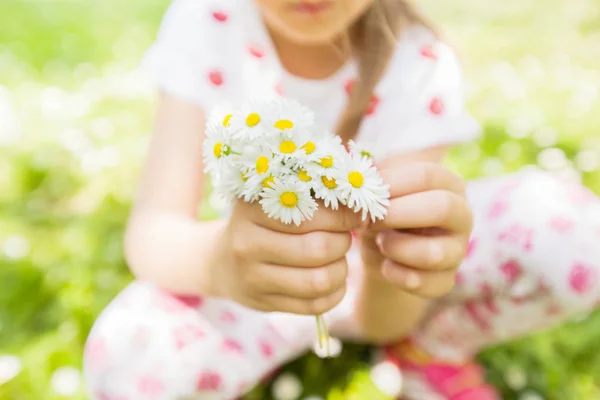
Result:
[
  {"x": 325, "y": 219},
  {"x": 305, "y": 283},
  {"x": 411, "y": 178},
  {"x": 295, "y": 305},
  {"x": 423, "y": 252},
  {"x": 313, "y": 249},
  {"x": 435, "y": 208},
  {"x": 428, "y": 284}
]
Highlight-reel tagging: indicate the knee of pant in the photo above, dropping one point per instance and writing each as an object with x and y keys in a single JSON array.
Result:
[
  {"x": 141, "y": 329},
  {"x": 541, "y": 201}
]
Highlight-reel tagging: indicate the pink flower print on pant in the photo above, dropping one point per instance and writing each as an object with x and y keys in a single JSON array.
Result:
[
  {"x": 498, "y": 209},
  {"x": 511, "y": 270},
  {"x": 582, "y": 278},
  {"x": 208, "y": 381},
  {"x": 187, "y": 334},
  {"x": 519, "y": 236},
  {"x": 232, "y": 346},
  {"x": 266, "y": 349},
  {"x": 561, "y": 224},
  {"x": 471, "y": 247},
  {"x": 95, "y": 351},
  {"x": 150, "y": 385}
]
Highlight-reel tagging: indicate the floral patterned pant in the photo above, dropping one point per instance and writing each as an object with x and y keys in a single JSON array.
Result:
[{"x": 533, "y": 261}]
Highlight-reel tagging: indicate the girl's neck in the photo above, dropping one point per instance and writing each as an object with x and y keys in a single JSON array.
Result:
[{"x": 314, "y": 61}]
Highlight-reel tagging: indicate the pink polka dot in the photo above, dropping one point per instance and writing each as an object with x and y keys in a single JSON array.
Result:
[
  {"x": 228, "y": 316},
  {"x": 471, "y": 247},
  {"x": 220, "y": 16},
  {"x": 436, "y": 106},
  {"x": 256, "y": 51},
  {"x": 96, "y": 351},
  {"x": 169, "y": 303},
  {"x": 348, "y": 85},
  {"x": 561, "y": 224},
  {"x": 190, "y": 301},
  {"x": 428, "y": 51},
  {"x": 511, "y": 270},
  {"x": 216, "y": 77},
  {"x": 186, "y": 335},
  {"x": 230, "y": 345},
  {"x": 208, "y": 380},
  {"x": 582, "y": 278},
  {"x": 373, "y": 104},
  {"x": 266, "y": 349},
  {"x": 150, "y": 385},
  {"x": 498, "y": 209}
]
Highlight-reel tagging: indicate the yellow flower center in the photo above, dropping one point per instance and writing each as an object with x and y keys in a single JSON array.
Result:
[
  {"x": 289, "y": 199},
  {"x": 268, "y": 182},
  {"x": 218, "y": 150},
  {"x": 329, "y": 183},
  {"x": 326, "y": 162},
  {"x": 356, "y": 179},
  {"x": 303, "y": 175},
  {"x": 252, "y": 119},
  {"x": 284, "y": 124},
  {"x": 287, "y": 147},
  {"x": 309, "y": 147},
  {"x": 262, "y": 165},
  {"x": 226, "y": 120}
]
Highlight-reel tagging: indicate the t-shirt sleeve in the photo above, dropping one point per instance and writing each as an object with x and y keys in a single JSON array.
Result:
[
  {"x": 421, "y": 101},
  {"x": 182, "y": 61}
]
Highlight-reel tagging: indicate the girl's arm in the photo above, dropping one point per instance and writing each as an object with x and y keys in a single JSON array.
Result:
[
  {"x": 164, "y": 242},
  {"x": 384, "y": 312}
]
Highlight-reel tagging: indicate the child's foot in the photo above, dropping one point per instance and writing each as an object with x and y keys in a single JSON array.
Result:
[{"x": 425, "y": 378}]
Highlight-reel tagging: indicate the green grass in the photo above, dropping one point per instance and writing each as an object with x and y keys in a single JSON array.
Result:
[{"x": 82, "y": 116}]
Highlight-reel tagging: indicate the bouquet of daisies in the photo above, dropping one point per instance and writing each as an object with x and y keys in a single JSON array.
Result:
[{"x": 272, "y": 152}]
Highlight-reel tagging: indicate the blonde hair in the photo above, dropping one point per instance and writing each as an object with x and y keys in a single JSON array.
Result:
[{"x": 373, "y": 40}]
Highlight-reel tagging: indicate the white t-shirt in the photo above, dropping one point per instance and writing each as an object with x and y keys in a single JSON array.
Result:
[{"x": 210, "y": 51}]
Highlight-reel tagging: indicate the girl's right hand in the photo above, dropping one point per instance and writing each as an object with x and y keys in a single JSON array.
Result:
[{"x": 275, "y": 267}]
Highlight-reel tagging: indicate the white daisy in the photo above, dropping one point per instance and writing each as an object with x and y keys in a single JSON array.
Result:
[
  {"x": 216, "y": 147},
  {"x": 289, "y": 114},
  {"x": 325, "y": 158},
  {"x": 362, "y": 150},
  {"x": 259, "y": 167},
  {"x": 221, "y": 115},
  {"x": 251, "y": 121},
  {"x": 288, "y": 202},
  {"x": 326, "y": 187},
  {"x": 287, "y": 146},
  {"x": 230, "y": 183},
  {"x": 362, "y": 187}
]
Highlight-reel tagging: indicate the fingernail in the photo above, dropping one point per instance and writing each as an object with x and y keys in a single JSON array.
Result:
[{"x": 413, "y": 280}]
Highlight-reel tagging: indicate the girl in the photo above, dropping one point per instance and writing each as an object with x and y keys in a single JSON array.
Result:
[{"x": 218, "y": 305}]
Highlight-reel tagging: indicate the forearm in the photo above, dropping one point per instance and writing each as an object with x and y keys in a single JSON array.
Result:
[
  {"x": 384, "y": 312},
  {"x": 175, "y": 251}
]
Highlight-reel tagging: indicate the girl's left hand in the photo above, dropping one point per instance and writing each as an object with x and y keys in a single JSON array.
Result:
[{"x": 424, "y": 237}]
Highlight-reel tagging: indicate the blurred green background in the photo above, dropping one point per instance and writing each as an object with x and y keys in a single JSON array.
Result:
[{"x": 74, "y": 121}]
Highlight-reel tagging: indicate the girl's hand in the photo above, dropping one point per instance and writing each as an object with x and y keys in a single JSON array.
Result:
[
  {"x": 275, "y": 267},
  {"x": 424, "y": 236}
]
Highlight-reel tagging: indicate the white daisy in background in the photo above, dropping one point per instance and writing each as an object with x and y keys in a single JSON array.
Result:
[
  {"x": 221, "y": 115},
  {"x": 326, "y": 187},
  {"x": 231, "y": 182},
  {"x": 216, "y": 146},
  {"x": 362, "y": 150},
  {"x": 362, "y": 187},
  {"x": 288, "y": 114},
  {"x": 251, "y": 121},
  {"x": 288, "y": 202}
]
